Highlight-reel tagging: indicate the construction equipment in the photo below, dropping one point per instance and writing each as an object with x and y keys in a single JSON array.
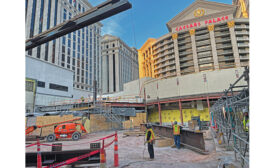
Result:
[
  {"x": 34, "y": 127},
  {"x": 67, "y": 130}
]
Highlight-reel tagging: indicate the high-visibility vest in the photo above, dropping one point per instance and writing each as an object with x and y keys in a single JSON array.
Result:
[
  {"x": 152, "y": 137},
  {"x": 176, "y": 129},
  {"x": 245, "y": 127}
]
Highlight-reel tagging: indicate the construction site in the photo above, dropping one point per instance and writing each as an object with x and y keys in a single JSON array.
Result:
[
  {"x": 216, "y": 142},
  {"x": 210, "y": 106}
]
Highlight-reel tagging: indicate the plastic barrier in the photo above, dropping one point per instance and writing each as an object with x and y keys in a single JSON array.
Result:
[
  {"x": 39, "y": 160},
  {"x": 116, "y": 152},
  {"x": 72, "y": 160}
]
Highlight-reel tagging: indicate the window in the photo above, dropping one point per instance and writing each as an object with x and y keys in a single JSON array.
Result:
[
  {"x": 69, "y": 43},
  {"x": 29, "y": 86},
  {"x": 65, "y": 14},
  {"x": 49, "y": 15},
  {"x": 41, "y": 16},
  {"x": 46, "y": 51},
  {"x": 79, "y": 7},
  {"x": 63, "y": 40},
  {"x": 26, "y": 7},
  {"x": 114, "y": 45},
  {"x": 38, "y": 51},
  {"x": 33, "y": 18},
  {"x": 55, "y": 12},
  {"x": 58, "y": 87},
  {"x": 53, "y": 52},
  {"x": 41, "y": 84}
]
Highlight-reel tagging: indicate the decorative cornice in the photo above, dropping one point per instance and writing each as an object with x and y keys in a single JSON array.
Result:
[
  {"x": 192, "y": 32},
  {"x": 174, "y": 36},
  {"x": 210, "y": 27},
  {"x": 231, "y": 24}
]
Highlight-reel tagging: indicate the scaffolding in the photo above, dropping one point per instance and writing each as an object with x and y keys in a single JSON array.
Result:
[
  {"x": 228, "y": 116},
  {"x": 105, "y": 109}
]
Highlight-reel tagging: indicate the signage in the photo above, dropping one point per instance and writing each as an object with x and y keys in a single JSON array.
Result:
[
  {"x": 199, "y": 12},
  {"x": 205, "y": 22}
]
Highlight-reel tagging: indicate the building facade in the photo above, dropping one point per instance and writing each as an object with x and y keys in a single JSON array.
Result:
[
  {"x": 242, "y": 10},
  {"x": 119, "y": 64},
  {"x": 78, "y": 51},
  {"x": 146, "y": 59},
  {"x": 46, "y": 83},
  {"x": 203, "y": 37}
]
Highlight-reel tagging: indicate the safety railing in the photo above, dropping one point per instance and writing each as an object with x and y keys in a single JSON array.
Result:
[{"x": 75, "y": 159}]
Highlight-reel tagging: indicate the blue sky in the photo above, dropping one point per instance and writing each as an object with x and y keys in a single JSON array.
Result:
[{"x": 146, "y": 18}]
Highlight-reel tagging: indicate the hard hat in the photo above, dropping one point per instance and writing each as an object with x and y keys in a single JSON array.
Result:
[
  {"x": 148, "y": 126},
  {"x": 175, "y": 122},
  {"x": 245, "y": 110}
]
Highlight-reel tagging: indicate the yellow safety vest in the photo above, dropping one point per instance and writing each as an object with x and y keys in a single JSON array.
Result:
[
  {"x": 245, "y": 127},
  {"x": 152, "y": 137},
  {"x": 176, "y": 129}
]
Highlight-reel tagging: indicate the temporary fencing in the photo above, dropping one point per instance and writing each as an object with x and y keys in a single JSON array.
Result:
[{"x": 72, "y": 160}]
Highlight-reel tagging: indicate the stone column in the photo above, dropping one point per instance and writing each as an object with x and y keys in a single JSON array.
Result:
[
  {"x": 111, "y": 76},
  {"x": 231, "y": 25},
  {"x": 117, "y": 76},
  {"x": 194, "y": 49},
  {"x": 104, "y": 73},
  {"x": 213, "y": 46},
  {"x": 176, "y": 51}
]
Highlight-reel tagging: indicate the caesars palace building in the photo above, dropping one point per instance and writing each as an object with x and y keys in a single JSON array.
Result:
[{"x": 203, "y": 37}]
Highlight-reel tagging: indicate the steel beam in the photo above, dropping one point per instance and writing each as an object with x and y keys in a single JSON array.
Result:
[
  {"x": 181, "y": 116},
  {"x": 191, "y": 139},
  {"x": 159, "y": 108},
  {"x": 93, "y": 15}
]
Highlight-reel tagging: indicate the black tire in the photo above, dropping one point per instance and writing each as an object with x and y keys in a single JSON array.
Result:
[
  {"x": 76, "y": 136},
  {"x": 51, "y": 138}
]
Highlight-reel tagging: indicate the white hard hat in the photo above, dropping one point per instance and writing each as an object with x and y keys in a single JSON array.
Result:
[{"x": 245, "y": 110}]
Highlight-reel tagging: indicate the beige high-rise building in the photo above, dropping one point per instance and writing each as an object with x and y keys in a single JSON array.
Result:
[
  {"x": 204, "y": 37},
  {"x": 119, "y": 64},
  {"x": 242, "y": 10}
]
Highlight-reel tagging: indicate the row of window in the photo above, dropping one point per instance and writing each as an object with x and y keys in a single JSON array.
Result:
[{"x": 53, "y": 86}]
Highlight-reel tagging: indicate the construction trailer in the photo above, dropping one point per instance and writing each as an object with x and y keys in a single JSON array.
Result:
[{"x": 227, "y": 116}]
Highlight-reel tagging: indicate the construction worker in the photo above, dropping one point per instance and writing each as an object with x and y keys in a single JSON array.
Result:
[
  {"x": 150, "y": 136},
  {"x": 176, "y": 133},
  {"x": 245, "y": 120}
]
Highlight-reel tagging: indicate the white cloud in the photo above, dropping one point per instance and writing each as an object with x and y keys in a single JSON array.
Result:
[{"x": 112, "y": 26}]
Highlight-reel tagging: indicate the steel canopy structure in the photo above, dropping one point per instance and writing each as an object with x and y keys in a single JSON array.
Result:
[{"x": 93, "y": 15}]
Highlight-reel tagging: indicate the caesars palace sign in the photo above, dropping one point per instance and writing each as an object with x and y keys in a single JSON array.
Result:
[{"x": 205, "y": 22}]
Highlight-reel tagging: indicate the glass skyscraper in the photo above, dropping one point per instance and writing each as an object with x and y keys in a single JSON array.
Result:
[{"x": 78, "y": 51}]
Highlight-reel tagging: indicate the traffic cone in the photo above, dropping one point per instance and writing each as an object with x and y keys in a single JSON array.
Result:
[
  {"x": 116, "y": 152},
  {"x": 39, "y": 161},
  {"x": 102, "y": 157}
]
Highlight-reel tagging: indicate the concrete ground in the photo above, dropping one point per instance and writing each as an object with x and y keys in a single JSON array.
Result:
[{"x": 133, "y": 152}]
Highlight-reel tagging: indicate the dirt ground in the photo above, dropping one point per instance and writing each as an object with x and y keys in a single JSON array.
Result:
[{"x": 133, "y": 152}]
